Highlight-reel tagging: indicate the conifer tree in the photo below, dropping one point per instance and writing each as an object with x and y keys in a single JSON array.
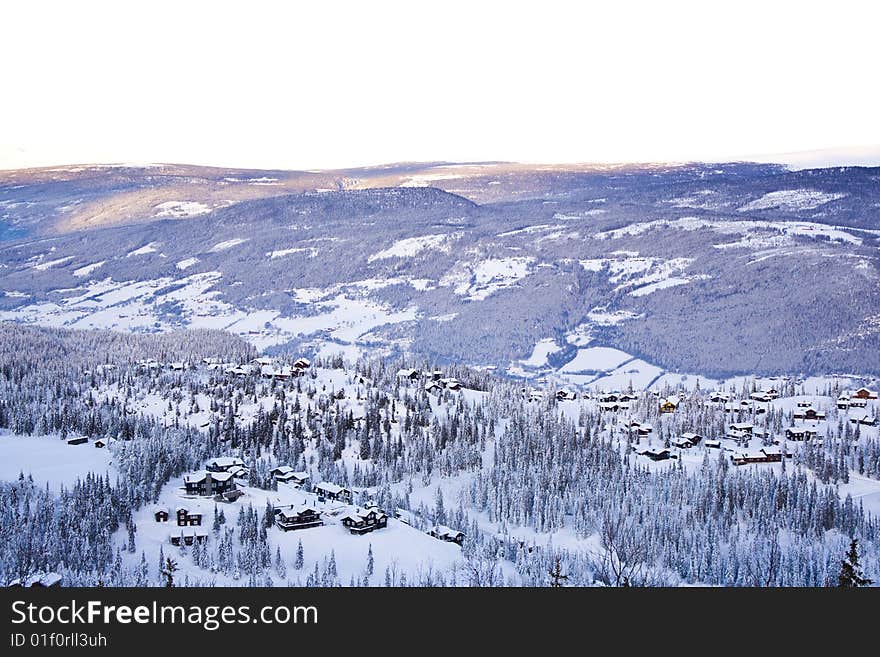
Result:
[{"x": 851, "y": 574}]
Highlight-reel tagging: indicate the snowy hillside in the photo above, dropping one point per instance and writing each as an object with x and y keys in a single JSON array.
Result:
[
  {"x": 251, "y": 470},
  {"x": 716, "y": 270}
]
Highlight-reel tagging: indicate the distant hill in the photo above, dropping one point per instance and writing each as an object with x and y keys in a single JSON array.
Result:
[{"x": 712, "y": 269}]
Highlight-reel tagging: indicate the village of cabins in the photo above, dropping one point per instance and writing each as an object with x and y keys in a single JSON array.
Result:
[{"x": 224, "y": 479}]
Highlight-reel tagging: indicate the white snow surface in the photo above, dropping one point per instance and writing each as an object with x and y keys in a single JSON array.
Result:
[
  {"x": 791, "y": 199},
  {"x": 412, "y": 246},
  {"x": 179, "y": 209},
  {"x": 228, "y": 244}
]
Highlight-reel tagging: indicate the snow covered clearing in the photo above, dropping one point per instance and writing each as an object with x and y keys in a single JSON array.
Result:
[
  {"x": 477, "y": 282},
  {"x": 543, "y": 349},
  {"x": 144, "y": 250},
  {"x": 751, "y": 230},
  {"x": 82, "y": 272},
  {"x": 792, "y": 200},
  {"x": 43, "y": 266},
  {"x": 412, "y": 246},
  {"x": 179, "y": 209},
  {"x": 228, "y": 244},
  {"x": 641, "y": 275},
  {"x": 529, "y": 230},
  {"x": 186, "y": 263},
  {"x": 280, "y": 253},
  {"x": 50, "y": 460},
  {"x": 166, "y": 303},
  {"x": 596, "y": 359},
  {"x": 425, "y": 180}
]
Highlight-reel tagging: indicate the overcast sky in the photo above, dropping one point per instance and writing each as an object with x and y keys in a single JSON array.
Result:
[{"x": 335, "y": 84}]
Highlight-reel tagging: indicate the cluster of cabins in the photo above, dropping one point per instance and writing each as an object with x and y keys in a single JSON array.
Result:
[
  {"x": 357, "y": 521},
  {"x": 434, "y": 380},
  {"x": 100, "y": 443},
  {"x": 190, "y": 523},
  {"x": 616, "y": 401},
  {"x": 857, "y": 399},
  {"x": 268, "y": 368},
  {"x": 38, "y": 580}
]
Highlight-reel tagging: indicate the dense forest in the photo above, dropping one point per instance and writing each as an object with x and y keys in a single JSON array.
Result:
[{"x": 526, "y": 465}]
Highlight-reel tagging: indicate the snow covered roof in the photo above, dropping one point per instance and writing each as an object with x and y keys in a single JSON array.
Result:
[
  {"x": 225, "y": 461},
  {"x": 272, "y": 370},
  {"x": 189, "y": 531},
  {"x": 443, "y": 530},
  {"x": 360, "y": 514},
  {"x": 197, "y": 512},
  {"x": 327, "y": 487},
  {"x": 197, "y": 477},
  {"x": 296, "y": 510},
  {"x": 39, "y": 579}
]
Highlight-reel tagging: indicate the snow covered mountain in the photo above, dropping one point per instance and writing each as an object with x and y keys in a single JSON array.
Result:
[{"x": 711, "y": 270}]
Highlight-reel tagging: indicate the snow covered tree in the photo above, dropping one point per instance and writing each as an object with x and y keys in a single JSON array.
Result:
[{"x": 851, "y": 575}]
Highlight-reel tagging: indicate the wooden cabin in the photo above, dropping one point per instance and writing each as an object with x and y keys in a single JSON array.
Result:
[
  {"x": 657, "y": 454},
  {"x": 766, "y": 455},
  {"x": 693, "y": 438},
  {"x": 39, "y": 580},
  {"x": 741, "y": 430},
  {"x": 363, "y": 521},
  {"x": 289, "y": 518},
  {"x": 328, "y": 491},
  {"x": 866, "y": 420},
  {"x": 865, "y": 393},
  {"x": 188, "y": 537},
  {"x": 286, "y": 474},
  {"x": 208, "y": 483},
  {"x": 224, "y": 464},
  {"x": 444, "y": 533},
  {"x": 187, "y": 519},
  {"x": 409, "y": 374},
  {"x": 809, "y": 414}
]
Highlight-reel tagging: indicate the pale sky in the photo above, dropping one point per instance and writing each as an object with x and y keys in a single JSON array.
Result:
[{"x": 335, "y": 84}]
